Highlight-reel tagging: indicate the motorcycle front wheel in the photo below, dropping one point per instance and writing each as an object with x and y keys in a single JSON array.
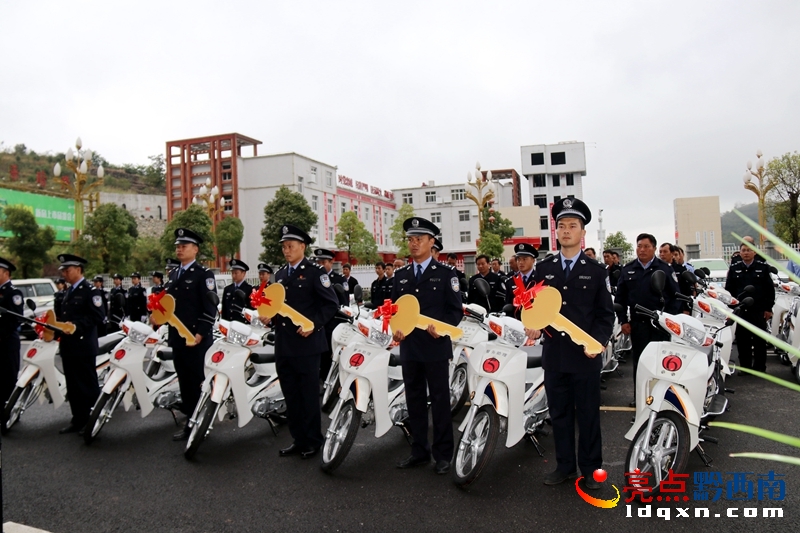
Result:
[
  {"x": 476, "y": 446},
  {"x": 340, "y": 436},
  {"x": 200, "y": 430},
  {"x": 101, "y": 413},
  {"x": 21, "y": 398},
  {"x": 668, "y": 448},
  {"x": 458, "y": 389},
  {"x": 332, "y": 389}
]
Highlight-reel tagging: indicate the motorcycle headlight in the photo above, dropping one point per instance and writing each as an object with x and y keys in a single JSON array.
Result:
[
  {"x": 513, "y": 336},
  {"x": 379, "y": 337},
  {"x": 694, "y": 335},
  {"x": 724, "y": 298},
  {"x": 139, "y": 337},
  {"x": 234, "y": 337}
]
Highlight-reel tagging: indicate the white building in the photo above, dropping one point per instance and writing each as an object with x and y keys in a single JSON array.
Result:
[{"x": 554, "y": 171}]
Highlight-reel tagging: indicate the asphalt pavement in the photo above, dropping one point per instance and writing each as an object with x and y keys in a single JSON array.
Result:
[{"x": 134, "y": 478}]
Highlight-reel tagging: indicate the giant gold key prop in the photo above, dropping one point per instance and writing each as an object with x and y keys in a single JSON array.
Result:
[
  {"x": 546, "y": 311},
  {"x": 272, "y": 303},
  {"x": 50, "y": 319},
  {"x": 407, "y": 318},
  {"x": 162, "y": 311}
]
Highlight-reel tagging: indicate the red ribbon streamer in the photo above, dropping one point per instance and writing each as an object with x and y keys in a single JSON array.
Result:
[
  {"x": 386, "y": 311},
  {"x": 257, "y": 297},
  {"x": 154, "y": 302},
  {"x": 522, "y": 297}
]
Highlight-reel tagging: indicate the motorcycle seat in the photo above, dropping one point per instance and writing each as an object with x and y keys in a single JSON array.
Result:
[
  {"x": 165, "y": 354},
  {"x": 107, "y": 343},
  {"x": 262, "y": 358},
  {"x": 535, "y": 360}
]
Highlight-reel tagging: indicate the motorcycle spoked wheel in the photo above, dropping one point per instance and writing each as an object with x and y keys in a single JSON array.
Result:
[
  {"x": 200, "y": 430},
  {"x": 331, "y": 394},
  {"x": 476, "y": 446},
  {"x": 669, "y": 448},
  {"x": 21, "y": 398},
  {"x": 338, "y": 444},
  {"x": 101, "y": 413},
  {"x": 458, "y": 389}
]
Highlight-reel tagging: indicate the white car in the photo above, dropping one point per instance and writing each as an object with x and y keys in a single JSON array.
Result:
[
  {"x": 42, "y": 291},
  {"x": 718, "y": 267}
]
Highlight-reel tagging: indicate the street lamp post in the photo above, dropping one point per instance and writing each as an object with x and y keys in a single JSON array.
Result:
[
  {"x": 484, "y": 192},
  {"x": 207, "y": 197},
  {"x": 761, "y": 189},
  {"x": 80, "y": 163}
]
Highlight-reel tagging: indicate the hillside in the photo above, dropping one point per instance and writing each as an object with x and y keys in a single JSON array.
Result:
[
  {"x": 142, "y": 179},
  {"x": 731, "y": 223}
]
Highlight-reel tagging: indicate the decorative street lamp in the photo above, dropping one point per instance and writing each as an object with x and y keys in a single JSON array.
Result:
[
  {"x": 761, "y": 189},
  {"x": 80, "y": 163},
  {"x": 484, "y": 192},
  {"x": 207, "y": 197}
]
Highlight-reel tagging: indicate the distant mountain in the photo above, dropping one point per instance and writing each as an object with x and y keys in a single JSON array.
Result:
[{"x": 731, "y": 223}]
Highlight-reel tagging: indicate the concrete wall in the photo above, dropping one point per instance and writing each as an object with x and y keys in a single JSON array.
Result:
[
  {"x": 697, "y": 221},
  {"x": 149, "y": 210}
]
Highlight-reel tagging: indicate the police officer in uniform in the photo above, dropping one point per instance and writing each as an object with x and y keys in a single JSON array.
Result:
[
  {"x": 571, "y": 374},
  {"x": 158, "y": 282},
  {"x": 137, "y": 299},
  {"x": 83, "y": 308},
  {"x": 97, "y": 281},
  {"x": 309, "y": 291},
  {"x": 436, "y": 249},
  {"x": 376, "y": 290},
  {"x": 171, "y": 264},
  {"x": 349, "y": 281},
  {"x": 116, "y": 312},
  {"x": 231, "y": 307},
  {"x": 58, "y": 297},
  {"x": 749, "y": 271},
  {"x": 189, "y": 284},
  {"x": 452, "y": 260},
  {"x": 324, "y": 259},
  {"x": 425, "y": 355},
  {"x": 526, "y": 255},
  {"x": 496, "y": 299},
  {"x": 264, "y": 273},
  {"x": 11, "y": 300},
  {"x": 633, "y": 288}
]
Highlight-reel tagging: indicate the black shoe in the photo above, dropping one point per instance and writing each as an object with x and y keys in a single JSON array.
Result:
[
  {"x": 590, "y": 483},
  {"x": 413, "y": 461},
  {"x": 308, "y": 453},
  {"x": 442, "y": 466},
  {"x": 72, "y": 428},
  {"x": 182, "y": 434},
  {"x": 632, "y": 404},
  {"x": 556, "y": 477},
  {"x": 292, "y": 449}
]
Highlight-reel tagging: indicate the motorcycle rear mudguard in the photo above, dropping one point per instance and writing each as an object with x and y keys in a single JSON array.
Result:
[
  {"x": 678, "y": 401},
  {"x": 51, "y": 375}
]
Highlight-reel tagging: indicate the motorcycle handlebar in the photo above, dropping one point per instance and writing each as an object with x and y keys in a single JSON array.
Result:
[
  {"x": 473, "y": 314},
  {"x": 645, "y": 311}
]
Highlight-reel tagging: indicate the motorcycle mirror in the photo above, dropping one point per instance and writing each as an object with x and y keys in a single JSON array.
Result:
[
  {"x": 749, "y": 289},
  {"x": 657, "y": 281},
  {"x": 482, "y": 286},
  {"x": 31, "y": 304},
  {"x": 700, "y": 273},
  {"x": 338, "y": 289},
  {"x": 706, "y": 270},
  {"x": 213, "y": 297},
  {"x": 688, "y": 276},
  {"x": 240, "y": 296},
  {"x": 463, "y": 284},
  {"x": 119, "y": 300},
  {"x": 747, "y": 302},
  {"x": 508, "y": 309},
  {"x": 773, "y": 270},
  {"x": 358, "y": 293}
]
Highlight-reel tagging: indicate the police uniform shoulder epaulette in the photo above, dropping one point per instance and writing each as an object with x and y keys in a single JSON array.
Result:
[
  {"x": 596, "y": 264},
  {"x": 318, "y": 266},
  {"x": 630, "y": 263},
  {"x": 405, "y": 267},
  {"x": 281, "y": 268}
]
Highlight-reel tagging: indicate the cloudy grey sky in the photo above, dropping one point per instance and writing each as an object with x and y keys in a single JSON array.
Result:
[{"x": 672, "y": 98}]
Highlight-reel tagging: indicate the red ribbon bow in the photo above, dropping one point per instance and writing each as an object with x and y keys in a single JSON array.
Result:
[
  {"x": 257, "y": 297},
  {"x": 522, "y": 297},
  {"x": 38, "y": 328},
  {"x": 154, "y": 302},
  {"x": 386, "y": 311}
]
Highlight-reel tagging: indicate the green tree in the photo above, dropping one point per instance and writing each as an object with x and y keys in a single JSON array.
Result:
[
  {"x": 784, "y": 173},
  {"x": 617, "y": 240},
  {"x": 354, "y": 237},
  {"x": 491, "y": 245},
  {"x": 147, "y": 255},
  {"x": 287, "y": 207},
  {"x": 229, "y": 234},
  {"x": 196, "y": 219},
  {"x": 496, "y": 223},
  {"x": 155, "y": 172},
  {"x": 108, "y": 239},
  {"x": 405, "y": 212},
  {"x": 29, "y": 243}
]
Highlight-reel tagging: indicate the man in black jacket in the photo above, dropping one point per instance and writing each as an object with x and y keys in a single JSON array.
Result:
[
  {"x": 496, "y": 298},
  {"x": 137, "y": 299},
  {"x": 10, "y": 299},
  {"x": 116, "y": 312},
  {"x": 376, "y": 290},
  {"x": 231, "y": 307}
]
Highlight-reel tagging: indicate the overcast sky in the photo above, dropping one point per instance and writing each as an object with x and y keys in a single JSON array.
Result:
[{"x": 671, "y": 98}]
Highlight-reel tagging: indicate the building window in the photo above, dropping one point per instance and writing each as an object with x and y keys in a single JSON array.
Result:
[
  {"x": 313, "y": 177},
  {"x": 436, "y": 218},
  {"x": 556, "y": 198},
  {"x": 540, "y": 200},
  {"x": 457, "y": 194},
  {"x": 329, "y": 178},
  {"x": 556, "y": 180},
  {"x": 300, "y": 184},
  {"x": 519, "y": 232},
  {"x": 344, "y": 208},
  {"x": 570, "y": 180},
  {"x": 570, "y": 196},
  {"x": 408, "y": 198},
  {"x": 355, "y": 210},
  {"x": 314, "y": 202},
  {"x": 545, "y": 244},
  {"x": 544, "y": 222},
  {"x": 539, "y": 180},
  {"x": 463, "y": 216},
  {"x": 465, "y": 236},
  {"x": 537, "y": 159},
  {"x": 330, "y": 205},
  {"x": 558, "y": 158},
  {"x": 430, "y": 196},
  {"x": 366, "y": 214},
  {"x": 314, "y": 229},
  {"x": 330, "y": 234}
]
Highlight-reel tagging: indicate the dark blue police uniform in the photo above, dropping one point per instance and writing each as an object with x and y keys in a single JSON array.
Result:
[
  {"x": 137, "y": 302},
  {"x": 116, "y": 312},
  {"x": 752, "y": 348},
  {"x": 10, "y": 299},
  {"x": 232, "y": 308}
]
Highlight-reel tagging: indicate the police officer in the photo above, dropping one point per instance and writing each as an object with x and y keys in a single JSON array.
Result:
[
  {"x": 452, "y": 260},
  {"x": 97, "y": 281},
  {"x": 309, "y": 291},
  {"x": 324, "y": 259},
  {"x": 633, "y": 288},
  {"x": 749, "y": 271},
  {"x": 11, "y": 300},
  {"x": 137, "y": 299},
  {"x": 571, "y": 374},
  {"x": 116, "y": 312},
  {"x": 436, "y": 248},
  {"x": 349, "y": 281},
  {"x": 425, "y": 355},
  {"x": 231, "y": 307},
  {"x": 189, "y": 284},
  {"x": 376, "y": 290},
  {"x": 496, "y": 296},
  {"x": 666, "y": 252},
  {"x": 611, "y": 260},
  {"x": 171, "y": 264},
  {"x": 388, "y": 280},
  {"x": 264, "y": 273},
  {"x": 157, "y": 279},
  {"x": 526, "y": 255},
  {"x": 83, "y": 308}
]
